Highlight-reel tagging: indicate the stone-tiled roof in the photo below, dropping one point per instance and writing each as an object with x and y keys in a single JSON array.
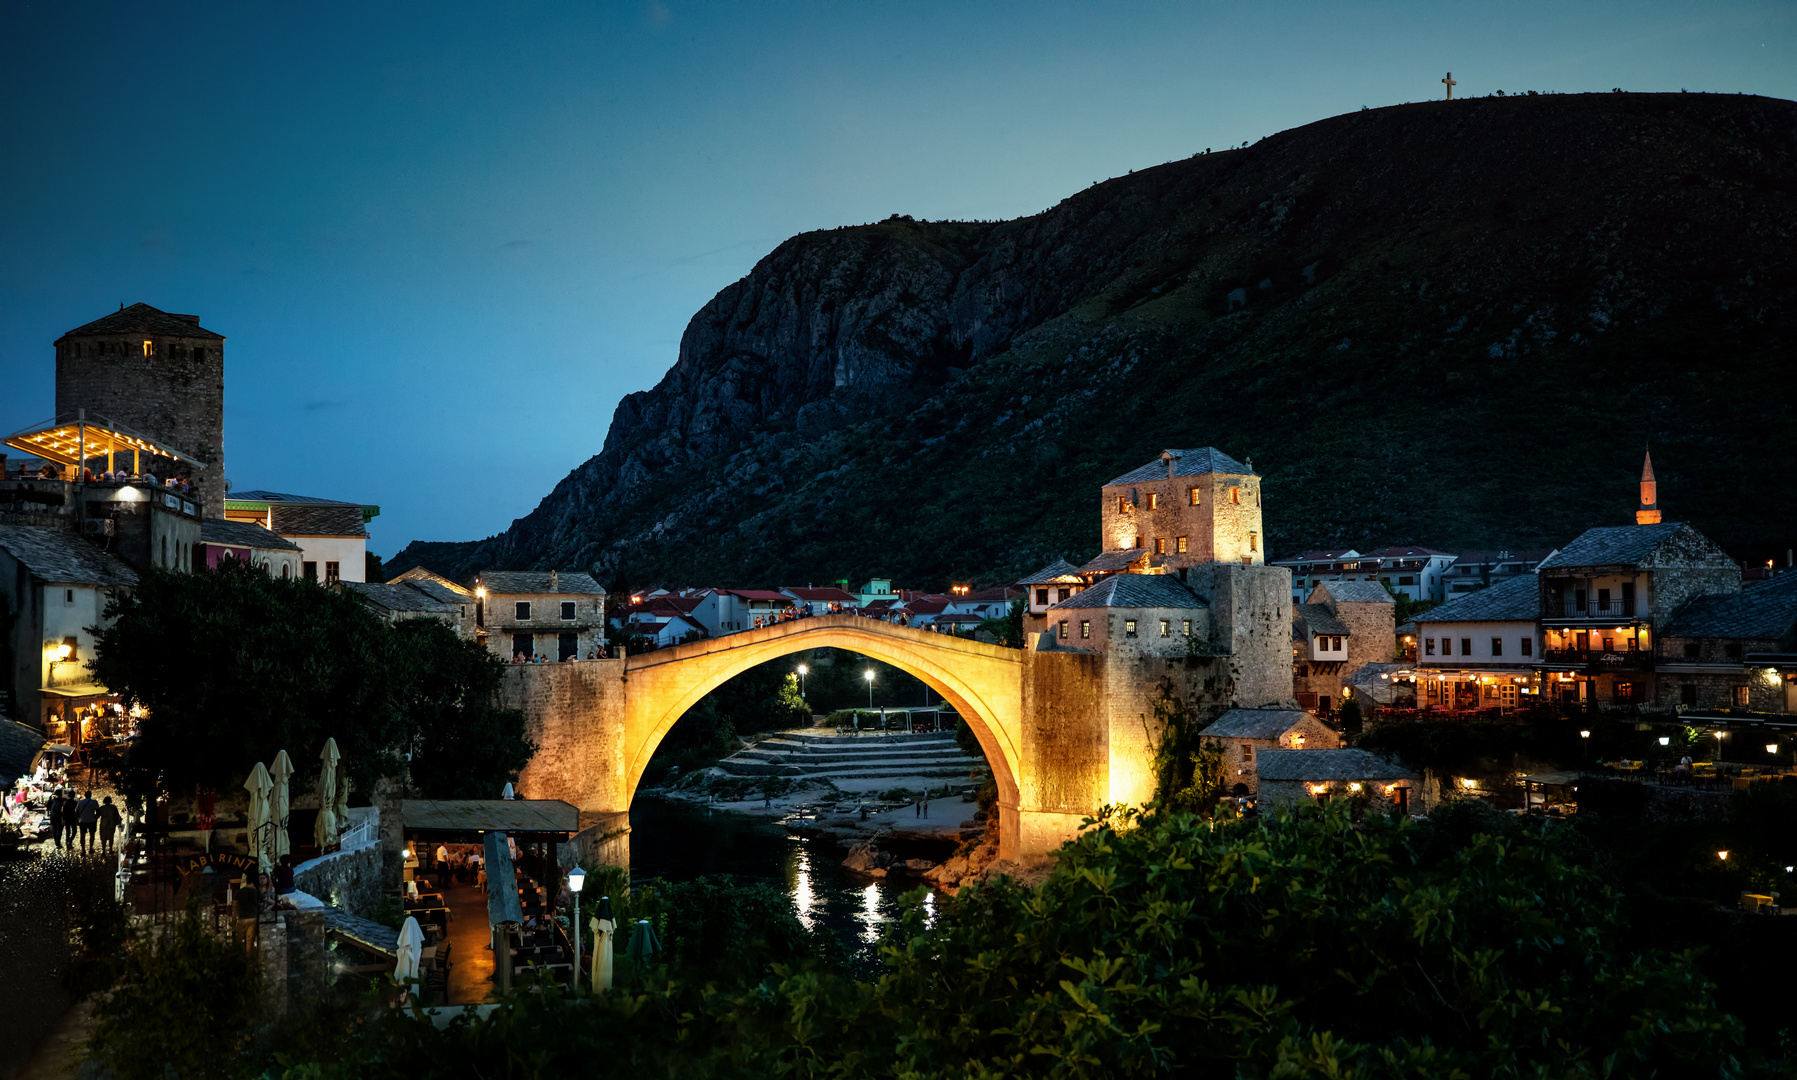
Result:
[
  {"x": 19, "y": 744},
  {"x": 1054, "y": 571},
  {"x": 1329, "y": 765},
  {"x": 1318, "y": 619},
  {"x": 144, "y": 319},
  {"x": 420, "y": 573},
  {"x": 1112, "y": 561},
  {"x": 537, "y": 583},
  {"x": 1134, "y": 591},
  {"x": 1765, "y": 610},
  {"x": 1254, "y": 724},
  {"x": 62, "y": 558},
  {"x": 1401, "y": 552},
  {"x": 1631, "y": 545},
  {"x": 242, "y": 534},
  {"x": 437, "y": 590},
  {"x": 260, "y": 496},
  {"x": 1357, "y": 592},
  {"x": 1529, "y": 557},
  {"x": 1197, "y": 462},
  {"x": 344, "y": 519},
  {"x": 1515, "y": 599},
  {"x": 403, "y": 597}
]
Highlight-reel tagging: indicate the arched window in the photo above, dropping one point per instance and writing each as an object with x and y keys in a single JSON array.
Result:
[{"x": 286, "y": 571}]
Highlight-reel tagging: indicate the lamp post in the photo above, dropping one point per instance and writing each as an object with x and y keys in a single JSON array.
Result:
[
  {"x": 576, "y": 878},
  {"x": 1586, "y": 736},
  {"x": 869, "y": 676},
  {"x": 803, "y": 669}
]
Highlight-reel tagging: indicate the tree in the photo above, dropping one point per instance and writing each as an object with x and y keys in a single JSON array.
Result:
[
  {"x": 234, "y": 665},
  {"x": 1007, "y": 628}
]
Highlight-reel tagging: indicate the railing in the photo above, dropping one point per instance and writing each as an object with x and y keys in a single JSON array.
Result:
[
  {"x": 1602, "y": 659},
  {"x": 1614, "y": 609},
  {"x": 361, "y": 835}
]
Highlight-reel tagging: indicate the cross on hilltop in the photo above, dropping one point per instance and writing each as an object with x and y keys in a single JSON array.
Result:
[{"x": 1450, "y": 84}]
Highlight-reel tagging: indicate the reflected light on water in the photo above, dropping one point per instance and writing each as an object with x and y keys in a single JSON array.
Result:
[
  {"x": 803, "y": 900},
  {"x": 871, "y": 919}
]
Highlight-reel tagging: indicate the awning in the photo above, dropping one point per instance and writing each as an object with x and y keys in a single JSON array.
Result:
[
  {"x": 519, "y": 818},
  {"x": 64, "y": 438},
  {"x": 1554, "y": 779},
  {"x": 79, "y": 690}
]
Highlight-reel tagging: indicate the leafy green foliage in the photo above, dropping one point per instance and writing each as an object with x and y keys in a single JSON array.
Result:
[
  {"x": 234, "y": 665},
  {"x": 1299, "y": 946},
  {"x": 1007, "y": 628},
  {"x": 184, "y": 1005},
  {"x": 1188, "y": 773}
]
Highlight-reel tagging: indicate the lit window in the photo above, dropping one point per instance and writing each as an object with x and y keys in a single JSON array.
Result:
[
  {"x": 1138, "y": 542},
  {"x": 1129, "y": 628},
  {"x": 1337, "y": 644},
  {"x": 1497, "y": 646},
  {"x": 1741, "y": 697},
  {"x": 149, "y": 349},
  {"x": 1160, "y": 545},
  {"x": 1195, "y": 500},
  {"x": 1247, "y": 751},
  {"x": 1063, "y": 630},
  {"x": 1188, "y": 624},
  {"x": 1235, "y": 495},
  {"x": 1085, "y": 628},
  {"x": 522, "y": 609},
  {"x": 1180, "y": 545},
  {"x": 1154, "y": 500},
  {"x": 1123, "y": 504},
  {"x": 1166, "y": 628}
]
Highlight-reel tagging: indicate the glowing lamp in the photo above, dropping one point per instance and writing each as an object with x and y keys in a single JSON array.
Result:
[
  {"x": 1723, "y": 855},
  {"x": 577, "y": 878},
  {"x": 1665, "y": 741},
  {"x": 803, "y": 669},
  {"x": 1468, "y": 783},
  {"x": 1354, "y": 787},
  {"x": 1771, "y": 748},
  {"x": 868, "y": 675},
  {"x": 64, "y": 651},
  {"x": 1584, "y": 734},
  {"x": 480, "y": 592}
]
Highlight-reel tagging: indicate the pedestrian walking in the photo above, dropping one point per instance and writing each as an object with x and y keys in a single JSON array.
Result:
[
  {"x": 87, "y": 819},
  {"x": 70, "y": 819},
  {"x": 56, "y": 818},
  {"x": 109, "y": 824},
  {"x": 917, "y": 808},
  {"x": 926, "y": 802}
]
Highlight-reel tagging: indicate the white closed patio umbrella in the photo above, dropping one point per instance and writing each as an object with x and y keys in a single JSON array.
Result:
[
  {"x": 279, "y": 802},
  {"x": 411, "y": 949},
  {"x": 259, "y": 786},
  {"x": 605, "y": 928},
  {"x": 325, "y": 831}
]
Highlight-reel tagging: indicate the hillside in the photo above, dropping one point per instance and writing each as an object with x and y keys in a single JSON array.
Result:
[{"x": 1452, "y": 323}]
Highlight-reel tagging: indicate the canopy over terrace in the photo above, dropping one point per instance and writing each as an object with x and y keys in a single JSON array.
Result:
[
  {"x": 75, "y": 438},
  {"x": 534, "y": 824}
]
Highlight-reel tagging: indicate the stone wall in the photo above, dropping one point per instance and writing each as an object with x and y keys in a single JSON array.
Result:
[
  {"x": 1251, "y": 624},
  {"x": 574, "y": 712},
  {"x": 351, "y": 880},
  {"x": 1066, "y": 754},
  {"x": 1218, "y": 529},
  {"x": 168, "y": 395}
]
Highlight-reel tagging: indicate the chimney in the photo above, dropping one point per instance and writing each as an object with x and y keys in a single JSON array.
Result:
[
  {"x": 1172, "y": 459},
  {"x": 555, "y": 581}
]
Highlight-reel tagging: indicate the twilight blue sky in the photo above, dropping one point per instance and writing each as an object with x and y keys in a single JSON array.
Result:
[{"x": 443, "y": 239}]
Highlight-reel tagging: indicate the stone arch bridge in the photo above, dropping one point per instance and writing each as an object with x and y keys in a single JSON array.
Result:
[{"x": 1062, "y": 730}]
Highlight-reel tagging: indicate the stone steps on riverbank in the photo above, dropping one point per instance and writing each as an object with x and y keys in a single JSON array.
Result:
[{"x": 833, "y": 757}]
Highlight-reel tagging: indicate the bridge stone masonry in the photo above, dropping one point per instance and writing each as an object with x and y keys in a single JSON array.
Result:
[{"x": 1065, "y": 731}]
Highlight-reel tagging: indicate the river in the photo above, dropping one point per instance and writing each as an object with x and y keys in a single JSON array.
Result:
[{"x": 679, "y": 841}]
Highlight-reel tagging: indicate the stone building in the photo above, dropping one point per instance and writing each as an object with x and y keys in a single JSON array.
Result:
[
  {"x": 1190, "y": 507},
  {"x": 332, "y": 535},
  {"x": 53, "y": 591},
  {"x": 1731, "y": 652},
  {"x": 1342, "y": 627},
  {"x": 1291, "y": 777},
  {"x": 160, "y": 373},
  {"x": 1479, "y": 650},
  {"x": 1052, "y": 584},
  {"x": 1601, "y": 597},
  {"x": 414, "y": 600},
  {"x": 1242, "y": 734},
  {"x": 1147, "y": 614},
  {"x": 558, "y": 614},
  {"x": 246, "y": 542}
]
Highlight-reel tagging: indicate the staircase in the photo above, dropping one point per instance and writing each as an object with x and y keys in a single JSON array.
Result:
[{"x": 849, "y": 758}]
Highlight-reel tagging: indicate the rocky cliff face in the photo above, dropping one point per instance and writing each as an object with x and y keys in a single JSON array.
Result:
[{"x": 1448, "y": 323}]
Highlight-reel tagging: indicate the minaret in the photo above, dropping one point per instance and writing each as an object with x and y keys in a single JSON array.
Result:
[{"x": 1649, "y": 511}]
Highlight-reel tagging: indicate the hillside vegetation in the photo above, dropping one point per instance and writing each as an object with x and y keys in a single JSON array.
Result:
[{"x": 1453, "y": 323}]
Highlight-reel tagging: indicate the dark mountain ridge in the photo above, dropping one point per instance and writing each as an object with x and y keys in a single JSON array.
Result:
[{"x": 1452, "y": 323}]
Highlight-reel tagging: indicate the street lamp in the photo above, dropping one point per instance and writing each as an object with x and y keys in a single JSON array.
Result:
[
  {"x": 869, "y": 676},
  {"x": 1723, "y": 855},
  {"x": 576, "y": 878},
  {"x": 1665, "y": 740},
  {"x": 802, "y": 672}
]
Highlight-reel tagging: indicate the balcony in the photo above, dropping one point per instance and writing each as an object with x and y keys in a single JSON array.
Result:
[
  {"x": 1595, "y": 610},
  {"x": 1596, "y": 661}
]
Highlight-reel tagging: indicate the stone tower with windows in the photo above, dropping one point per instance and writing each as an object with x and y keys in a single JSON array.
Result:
[
  {"x": 1189, "y": 508},
  {"x": 158, "y": 373},
  {"x": 1648, "y": 513}
]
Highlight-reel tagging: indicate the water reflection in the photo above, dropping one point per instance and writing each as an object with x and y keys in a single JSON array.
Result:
[{"x": 679, "y": 841}]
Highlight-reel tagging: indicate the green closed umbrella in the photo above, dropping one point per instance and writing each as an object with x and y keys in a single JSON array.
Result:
[{"x": 643, "y": 945}]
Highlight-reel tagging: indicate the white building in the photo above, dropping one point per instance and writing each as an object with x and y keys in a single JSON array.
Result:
[
  {"x": 1479, "y": 650},
  {"x": 332, "y": 535},
  {"x": 1414, "y": 572},
  {"x": 54, "y": 585}
]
